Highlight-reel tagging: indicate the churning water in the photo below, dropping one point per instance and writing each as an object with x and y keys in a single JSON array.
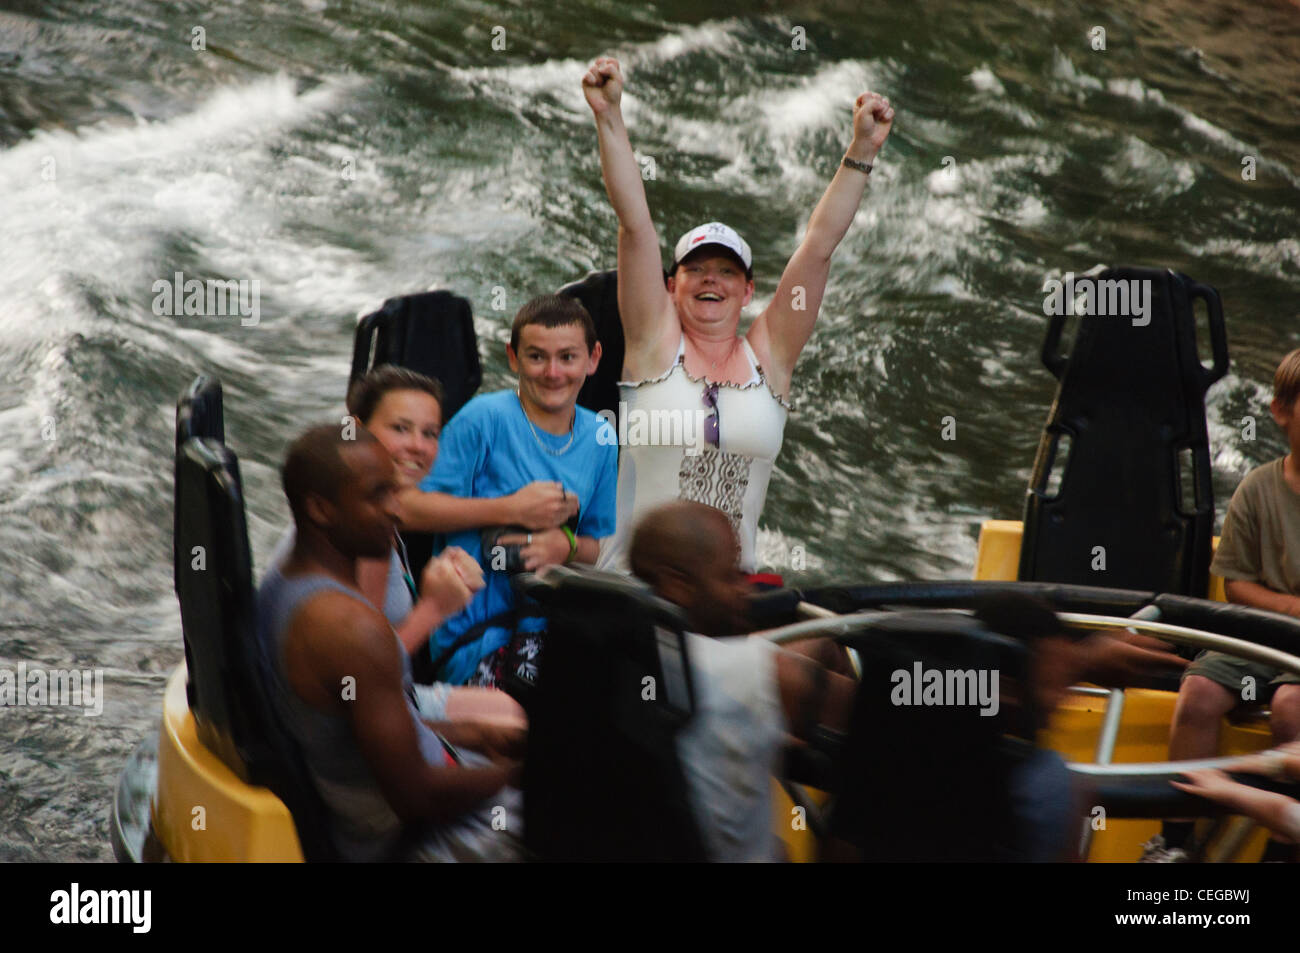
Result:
[{"x": 342, "y": 152}]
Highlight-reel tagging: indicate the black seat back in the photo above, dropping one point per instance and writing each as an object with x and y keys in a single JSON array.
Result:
[
  {"x": 598, "y": 293},
  {"x": 928, "y": 782},
  {"x": 214, "y": 586},
  {"x": 602, "y": 780},
  {"x": 228, "y": 689},
  {"x": 1131, "y": 404},
  {"x": 432, "y": 333},
  {"x": 199, "y": 413}
]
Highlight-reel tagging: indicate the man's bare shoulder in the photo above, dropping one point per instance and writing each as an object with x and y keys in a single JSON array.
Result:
[{"x": 334, "y": 634}]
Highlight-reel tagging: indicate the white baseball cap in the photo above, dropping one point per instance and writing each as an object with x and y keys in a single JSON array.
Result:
[{"x": 713, "y": 233}]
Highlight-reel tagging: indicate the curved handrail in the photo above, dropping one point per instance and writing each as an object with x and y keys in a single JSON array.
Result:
[
  {"x": 1188, "y": 636},
  {"x": 841, "y": 626}
]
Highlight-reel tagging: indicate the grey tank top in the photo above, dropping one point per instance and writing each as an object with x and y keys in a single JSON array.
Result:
[
  {"x": 365, "y": 828},
  {"x": 397, "y": 595}
]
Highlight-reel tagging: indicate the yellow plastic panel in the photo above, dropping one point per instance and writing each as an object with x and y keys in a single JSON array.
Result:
[
  {"x": 791, "y": 827},
  {"x": 1144, "y": 732},
  {"x": 238, "y": 822},
  {"x": 1143, "y": 736},
  {"x": 998, "y": 557}
]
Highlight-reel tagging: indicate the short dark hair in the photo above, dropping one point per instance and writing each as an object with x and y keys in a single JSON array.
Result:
[
  {"x": 681, "y": 536},
  {"x": 315, "y": 464},
  {"x": 368, "y": 390},
  {"x": 553, "y": 311}
]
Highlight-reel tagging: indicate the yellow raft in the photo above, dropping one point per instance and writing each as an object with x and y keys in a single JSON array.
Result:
[{"x": 202, "y": 812}]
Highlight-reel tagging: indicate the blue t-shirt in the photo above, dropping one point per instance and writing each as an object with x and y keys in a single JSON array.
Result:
[{"x": 489, "y": 449}]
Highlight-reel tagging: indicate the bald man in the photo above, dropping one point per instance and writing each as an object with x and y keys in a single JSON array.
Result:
[{"x": 749, "y": 693}]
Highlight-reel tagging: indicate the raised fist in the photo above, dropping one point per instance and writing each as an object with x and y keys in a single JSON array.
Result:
[
  {"x": 873, "y": 117},
  {"x": 603, "y": 84}
]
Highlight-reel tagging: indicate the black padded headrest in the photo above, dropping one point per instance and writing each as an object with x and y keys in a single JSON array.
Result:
[
  {"x": 1131, "y": 405},
  {"x": 960, "y": 593},
  {"x": 562, "y": 588},
  {"x": 612, "y": 692},
  {"x": 215, "y": 589},
  {"x": 200, "y": 412},
  {"x": 432, "y": 333},
  {"x": 925, "y": 777},
  {"x": 1272, "y": 629}
]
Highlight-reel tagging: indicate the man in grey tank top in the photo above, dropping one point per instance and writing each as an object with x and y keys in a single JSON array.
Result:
[{"x": 341, "y": 681}]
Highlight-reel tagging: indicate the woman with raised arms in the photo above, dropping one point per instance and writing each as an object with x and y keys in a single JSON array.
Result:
[{"x": 683, "y": 353}]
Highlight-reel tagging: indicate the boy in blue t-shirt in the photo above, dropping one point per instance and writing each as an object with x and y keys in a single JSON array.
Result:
[{"x": 530, "y": 459}]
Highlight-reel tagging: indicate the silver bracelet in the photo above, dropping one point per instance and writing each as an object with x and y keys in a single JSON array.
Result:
[{"x": 855, "y": 164}]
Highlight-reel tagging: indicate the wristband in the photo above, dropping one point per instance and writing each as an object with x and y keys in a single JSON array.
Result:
[
  {"x": 573, "y": 543},
  {"x": 855, "y": 164}
]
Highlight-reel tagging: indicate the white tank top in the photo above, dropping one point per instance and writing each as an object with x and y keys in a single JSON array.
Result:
[{"x": 663, "y": 455}]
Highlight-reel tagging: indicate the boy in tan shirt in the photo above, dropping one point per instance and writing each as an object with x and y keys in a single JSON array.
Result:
[{"x": 1259, "y": 560}]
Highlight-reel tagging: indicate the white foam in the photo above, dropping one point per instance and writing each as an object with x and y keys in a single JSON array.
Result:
[
  {"x": 1136, "y": 90},
  {"x": 821, "y": 101},
  {"x": 986, "y": 81},
  {"x": 1064, "y": 69},
  {"x": 1279, "y": 259},
  {"x": 118, "y": 189},
  {"x": 714, "y": 36},
  {"x": 1214, "y": 133}
]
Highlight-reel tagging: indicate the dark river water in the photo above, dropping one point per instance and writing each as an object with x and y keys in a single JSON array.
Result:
[{"x": 343, "y": 152}]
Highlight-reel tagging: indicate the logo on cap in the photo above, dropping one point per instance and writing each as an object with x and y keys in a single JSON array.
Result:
[{"x": 714, "y": 233}]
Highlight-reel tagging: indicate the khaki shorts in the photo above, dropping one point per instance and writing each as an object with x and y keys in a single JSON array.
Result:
[{"x": 1229, "y": 671}]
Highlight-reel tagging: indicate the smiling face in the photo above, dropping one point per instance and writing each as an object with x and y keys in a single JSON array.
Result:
[
  {"x": 709, "y": 288},
  {"x": 407, "y": 423},
  {"x": 552, "y": 364}
]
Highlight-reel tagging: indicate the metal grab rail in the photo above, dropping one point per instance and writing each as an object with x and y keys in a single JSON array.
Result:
[
  {"x": 1186, "y": 636},
  {"x": 840, "y": 626},
  {"x": 1111, "y": 718}
]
